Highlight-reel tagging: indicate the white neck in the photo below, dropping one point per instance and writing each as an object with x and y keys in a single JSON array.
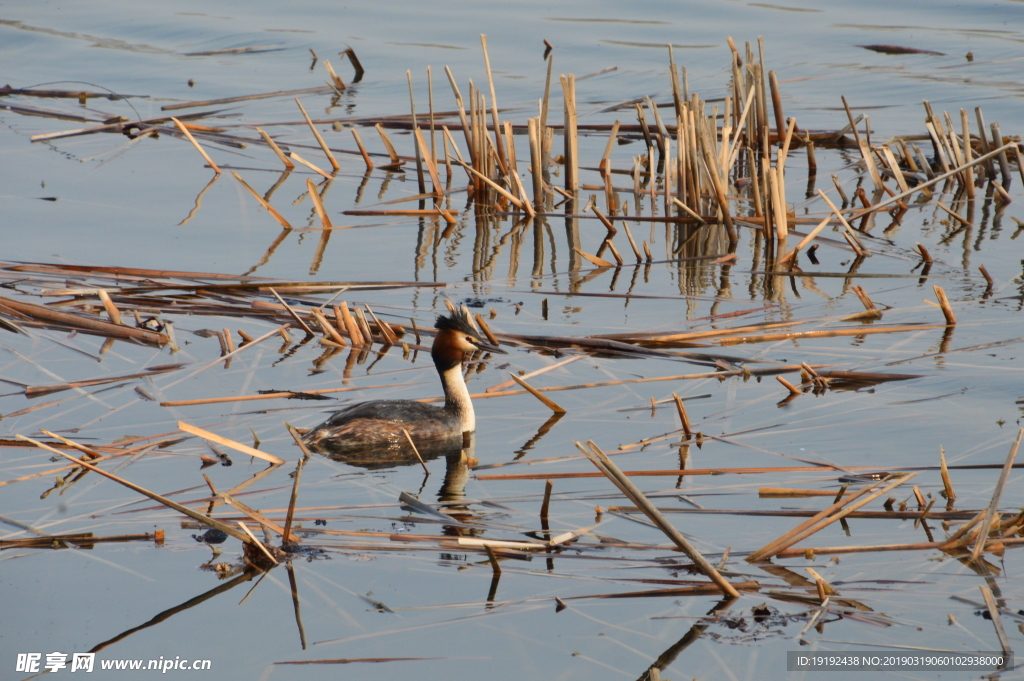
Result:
[{"x": 456, "y": 397}]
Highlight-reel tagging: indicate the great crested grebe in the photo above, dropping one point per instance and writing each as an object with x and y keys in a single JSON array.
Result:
[{"x": 379, "y": 423}]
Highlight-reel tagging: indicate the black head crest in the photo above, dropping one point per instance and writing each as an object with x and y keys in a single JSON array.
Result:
[{"x": 457, "y": 321}]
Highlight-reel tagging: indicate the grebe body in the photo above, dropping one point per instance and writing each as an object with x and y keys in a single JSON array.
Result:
[{"x": 379, "y": 424}]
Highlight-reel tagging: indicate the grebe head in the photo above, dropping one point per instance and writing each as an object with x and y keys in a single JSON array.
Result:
[{"x": 456, "y": 340}]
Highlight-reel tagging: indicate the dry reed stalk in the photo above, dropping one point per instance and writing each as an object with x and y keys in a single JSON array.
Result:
[
  {"x": 606, "y": 466},
  {"x": 336, "y": 81},
  {"x": 486, "y": 329},
  {"x": 108, "y": 305},
  {"x": 780, "y": 122},
  {"x": 830, "y": 515},
  {"x": 925, "y": 255},
  {"x": 689, "y": 211},
  {"x": 209, "y": 522},
  {"x": 793, "y": 390},
  {"x": 604, "y": 165},
  {"x": 536, "y": 161},
  {"x": 611, "y": 246},
  {"x": 319, "y": 139},
  {"x": 556, "y": 365},
  {"x": 188, "y": 135},
  {"x": 779, "y": 212},
  {"x": 839, "y": 188},
  {"x": 364, "y": 327},
  {"x": 766, "y": 492},
  {"x": 428, "y": 212},
  {"x": 894, "y": 167},
  {"x": 863, "y": 296},
  {"x": 572, "y": 183},
  {"x": 396, "y": 160},
  {"x": 265, "y": 522},
  {"x": 270, "y": 209},
  {"x": 968, "y": 177},
  {"x": 276, "y": 149},
  {"x": 783, "y": 152},
  {"x": 237, "y": 446},
  {"x": 833, "y": 333},
  {"x": 953, "y": 214},
  {"x": 938, "y": 178},
  {"x": 996, "y": 494},
  {"x": 384, "y": 328},
  {"x": 328, "y": 327},
  {"x": 498, "y": 188},
  {"x": 683, "y": 418},
  {"x": 839, "y": 550},
  {"x": 947, "y": 310},
  {"x": 350, "y": 324},
  {"x": 789, "y": 257},
  {"x": 318, "y": 205},
  {"x": 1004, "y": 196},
  {"x": 82, "y": 322},
  {"x": 947, "y": 484},
  {"x": 984, "y": 273},
  {"x": 494, "y": 99},
  {"x": 632, "y": 243},
  {"x": 546, "y": 504},
  {"x": 301, "y": 445},
  {"x": 723, "y": 202},
  {"x": 416, "y": 451},
  {"x": 430, "y": 163},
  {"x": 294, "y": 315},
  {"x": 286, "y": 537},
  {"x": 279, "y": 330},
  {"x": 256, "y": 542},
  {"x": 273, "y": 395},
  {"x": 594, "y": 259},
  {"x": 858, "y": 247},
  {"x": 362, "y": 150},
  {"x": 310, "y": 165},
  {"x": 548, "y": 402},
  {"x": 997, "y": 620}
]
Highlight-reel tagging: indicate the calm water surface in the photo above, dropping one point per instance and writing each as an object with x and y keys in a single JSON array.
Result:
[{"x": 134, "y": 205}]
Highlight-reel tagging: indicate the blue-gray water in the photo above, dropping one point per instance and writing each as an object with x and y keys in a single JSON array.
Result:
[{"x": 123, "y": 206}]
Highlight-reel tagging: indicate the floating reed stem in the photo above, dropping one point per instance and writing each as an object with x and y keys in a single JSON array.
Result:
[
  {"x": 829, "y": 516},
  {"x": 277, "y": 150},
  {"x": 416, "y": 451},
  {"x": 231, "y": 444},
  {"x": 270, "y": 209},
  {"x": 997, "y": 492},
  {"x": 190, "y": 138},
  {"x": 312, "y": 166},
  {"x": 294, "y": 315},
  {"x": 548, "y": 402},
  {"x": 606, "y": 466},
  {"x": 319, "y": 139},
  {"x": 328, "y": 328},
  {"x": 195, "y": 515},
  {"x": 793, "y": 390}
]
